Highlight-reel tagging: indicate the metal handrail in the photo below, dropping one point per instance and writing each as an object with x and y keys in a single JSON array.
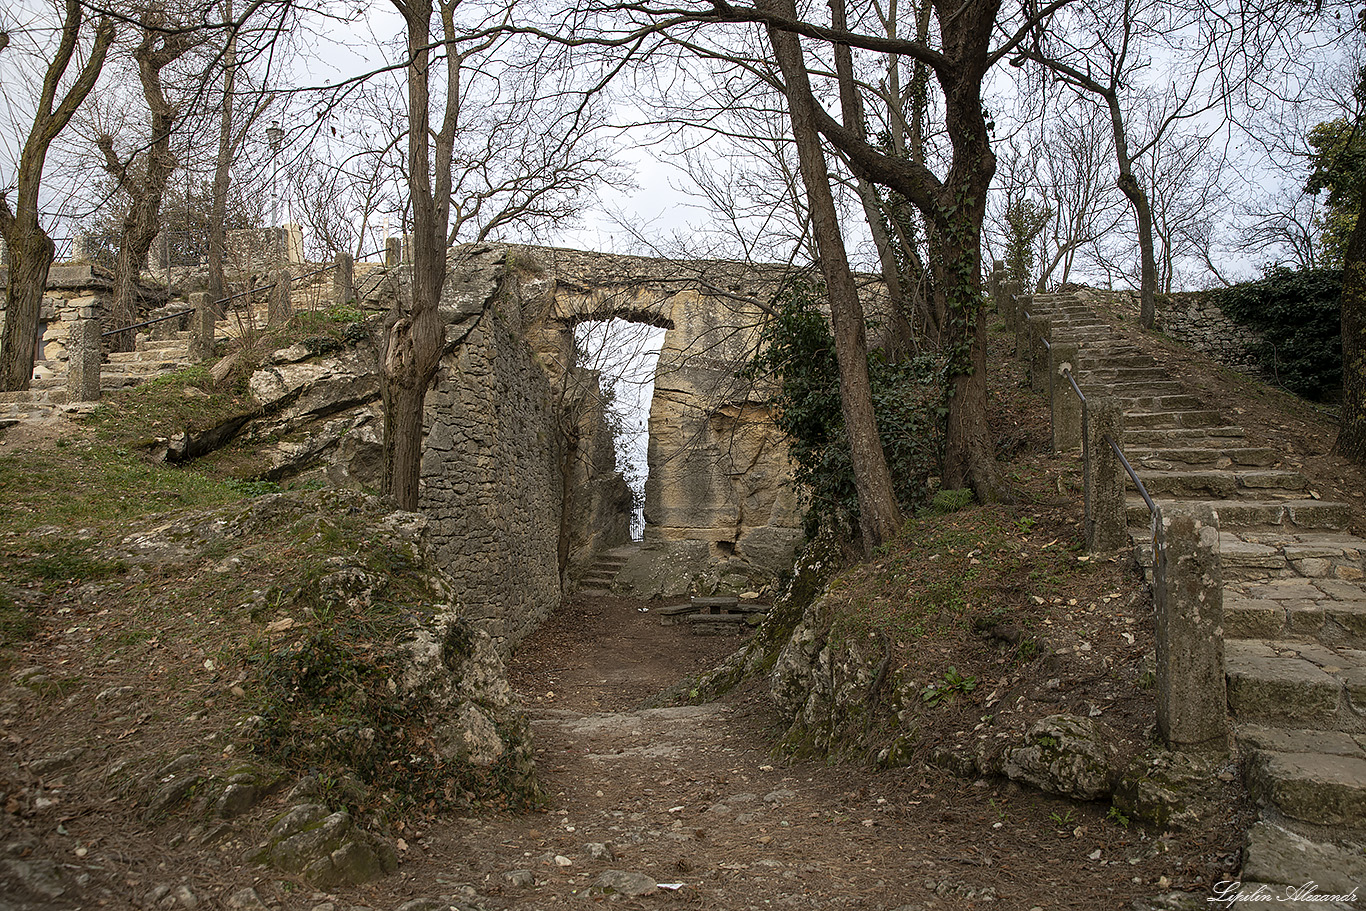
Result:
[
  {"x": 158, "y": 319},
  {"x": 1142, "y": 491}
]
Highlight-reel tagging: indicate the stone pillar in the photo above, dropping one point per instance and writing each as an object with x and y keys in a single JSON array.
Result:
[
  {"x": 292, "y": 243},
  {"x": 84, "y": 354},
  {"x": 1066, "y": 406},
  {"x": 1040, "y": 330},
  {"x": 1188, "y": 600},
  {"x": 1009, "y": 290},
  {"x": 1024, "y": 306},
  {"x": 998, "y": 277},
  {"x": 278, "y": 308},
  {"x": 344, "y": 280},
  {"x": 83, "y": 248},
  {"x": 393, "y": 251},
  {"x": 201, "y": 327},
  {"x": 1106, "y": 523}
]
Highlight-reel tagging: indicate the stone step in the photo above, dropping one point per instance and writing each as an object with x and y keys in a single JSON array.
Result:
[
  {"x": 1284, "y": 861},
  {"x": 1304, "y": 684},
  {"x": 1323, "y": 609},
  {"x": 1169, "y": 458},
  {"x": 1161, "y": 420},
  {"x": 1152, "y": 387},
  {"x": 1104, "y": 376},
  {"x": 1261, "y": 513},
  {"x": 1156, "y": 402},
  {"x": 1150, "y": 437},
  {"x": 1251, "y": 557},
  {"x": 1320, "y": 788},
  {"x": 1216, "y": 483}
]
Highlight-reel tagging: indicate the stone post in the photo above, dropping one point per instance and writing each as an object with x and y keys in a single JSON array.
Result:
[
  {"x": 1040, "y": 330},
  {"x": 1063, "y": 400},
  {"x": 393, "y": 251},
  {"x": 1024, "y": 304},
  {"x": 1008, "y": 291},
  {"x": 1106, "y": 523},
  {"x": 201, "y": 327},
  {"x": 1188, "y": 600},
  {"x": 278, "y": 308},
  {"x": 344, "y": 280},
  {"x": 998, "y": 277},
  {"x": 84, "y": 354}
]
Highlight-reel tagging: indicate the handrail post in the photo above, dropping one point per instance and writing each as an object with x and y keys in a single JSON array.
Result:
[
  {"x": 278, "y": 308},
  {"x": 1188, "y": 601},
  {"x": 84, "y": 354},
  {"x": 393, "y": 251},
  {"x": 1063, "y": 400},
  {"x": 1040, "y": 330},
  {"x": 998, "y": 275},
  {"x": 344, "y": 280},
  {"x": 1024, "y": 307},
  {"x": 1106, "y": 523},
  {"x": 202, "y": 327}
]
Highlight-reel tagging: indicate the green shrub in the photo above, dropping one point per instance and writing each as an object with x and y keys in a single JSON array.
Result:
[{"x": 1298, "y": 315}]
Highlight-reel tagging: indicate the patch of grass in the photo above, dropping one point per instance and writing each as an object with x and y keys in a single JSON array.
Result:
[
  {"x": 97, "y": 486},
  {"x": 17, "y": 624}
]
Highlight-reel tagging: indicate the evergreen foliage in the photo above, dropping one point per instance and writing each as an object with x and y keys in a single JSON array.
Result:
[
  {"x": 1298, "y": 317},
  {"x": 798, "y": 355}
]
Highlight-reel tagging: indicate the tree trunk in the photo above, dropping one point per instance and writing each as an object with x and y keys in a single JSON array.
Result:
[
  {"x": 222, "y": 174},
  {"x": 1143, "y": 215},
  {"x": 879, "y": 514},
  {"x": 1351, "y": 440},
  {"x": 30, "y": 257},
  {"x": 31, "y": 250}
]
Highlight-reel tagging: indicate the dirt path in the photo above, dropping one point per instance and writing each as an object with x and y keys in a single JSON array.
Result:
[{"x": 693, "y": 796}]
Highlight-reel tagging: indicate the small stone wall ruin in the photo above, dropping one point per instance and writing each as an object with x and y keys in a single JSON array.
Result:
[{"x": 1194, "y": 319}]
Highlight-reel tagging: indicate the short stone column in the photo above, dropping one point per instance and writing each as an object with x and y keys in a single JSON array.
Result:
[
  {"x": 202, "y": 327},
  {"x": 1188, "y": 600},
  {"x": 997, "y": 279},
  {"x": 84, "y": 355},
  {"x": 393, "y": 251},
  {"x": 1063, "y": 400},
  {"x": 278, "y": 308},
  {"x": 1024, "y": 306},
  {"x": 1040, "y": 330},
  {"x": 1106, "y": 523},
  {"x": 1009, "y": 298},
  {"x": 344, "y": 280}
]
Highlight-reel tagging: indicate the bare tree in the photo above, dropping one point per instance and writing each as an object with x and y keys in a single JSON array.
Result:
[
  {"x": 143, "y": 173},
  {"x": 31, "y": 251}
]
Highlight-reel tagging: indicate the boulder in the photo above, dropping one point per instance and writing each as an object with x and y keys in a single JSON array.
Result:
[{"x": 1065, "y": 755}]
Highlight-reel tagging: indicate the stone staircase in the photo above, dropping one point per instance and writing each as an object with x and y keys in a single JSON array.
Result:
[
  {"x": 598, "y": 579},
  {"x": 1294, "y": 608},
  {"x": 152, "y": 357}
]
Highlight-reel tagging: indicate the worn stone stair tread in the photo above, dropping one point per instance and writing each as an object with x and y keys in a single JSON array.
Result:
[
  {"x": 1167, "y": 436},
  {"x": 1276, "y": 854},
  {"x": 1261, "y": 513},
  {"x": 1319, "y": 788},
  {"x": 1308, "y": 684},
  {"x": 1166, "y": 458}
]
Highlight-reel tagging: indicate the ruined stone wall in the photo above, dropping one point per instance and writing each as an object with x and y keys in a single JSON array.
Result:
[
  {"x": 1195, "y": 320},
  {"x": 490, "y": 482}
]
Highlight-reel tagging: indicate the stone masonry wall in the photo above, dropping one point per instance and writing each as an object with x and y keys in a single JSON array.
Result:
[
  {"x": 490, "y": 483},
  {"x": 1195, "y": 320}
]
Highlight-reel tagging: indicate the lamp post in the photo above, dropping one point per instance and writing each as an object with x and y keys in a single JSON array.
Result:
[{"x": 275, "y": 135}]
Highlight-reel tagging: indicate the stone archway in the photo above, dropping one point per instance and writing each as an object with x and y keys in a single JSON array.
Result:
[{"x": 720, "y": 508}]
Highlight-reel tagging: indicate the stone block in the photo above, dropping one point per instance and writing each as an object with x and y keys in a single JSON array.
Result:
[
  {"x": 1277, "y": 855},
  {"x": 1314, "y": 787},
  {"x": 1106, "y": 525},
  {"x": 1266, "y": 686}
]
